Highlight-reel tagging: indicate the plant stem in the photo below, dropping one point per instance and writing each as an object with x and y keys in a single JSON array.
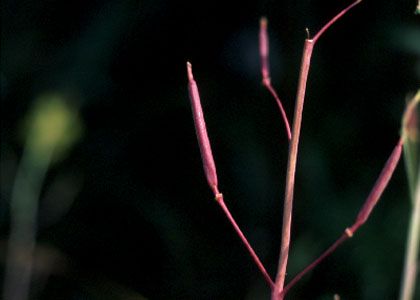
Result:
[
  {"x": 293, "y": 151},
  {"x": 413, "y": 240},
  {"x": 291, "y": 167},
  {"x": 221, "y": 202},
  {"x": 410, "y": 133}
]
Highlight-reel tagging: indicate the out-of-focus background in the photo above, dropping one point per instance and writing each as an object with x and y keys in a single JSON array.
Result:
[{"x": 124, "y": 211}]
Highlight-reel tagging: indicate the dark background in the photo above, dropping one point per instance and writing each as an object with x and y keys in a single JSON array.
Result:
[{"x": 136, "y": 216}]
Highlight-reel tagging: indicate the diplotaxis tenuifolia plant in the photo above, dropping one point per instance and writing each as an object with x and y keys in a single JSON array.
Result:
[{"x": 277, "y": 284}]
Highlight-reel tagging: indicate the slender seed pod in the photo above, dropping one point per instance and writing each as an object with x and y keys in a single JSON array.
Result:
[
  {"x": 379, "y": 187},
  {"x": 201, "y": 131}
]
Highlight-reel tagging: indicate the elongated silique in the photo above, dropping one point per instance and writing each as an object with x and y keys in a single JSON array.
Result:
[{"x": 201, "y": 131}]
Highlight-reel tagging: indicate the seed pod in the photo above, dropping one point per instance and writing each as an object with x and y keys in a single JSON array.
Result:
[
  {"x": 379, "y": 187},
  {"x": 201, "y": 131}
]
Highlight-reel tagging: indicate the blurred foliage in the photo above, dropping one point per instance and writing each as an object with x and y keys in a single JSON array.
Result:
[
  {"x": 52, "y": 125},
  {"x": 51, "y": 128}
]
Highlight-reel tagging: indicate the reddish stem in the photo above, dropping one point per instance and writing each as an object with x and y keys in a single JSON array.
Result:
[
  {"x": 257, "y": 261},
  {"x": 333, "y": 20},
  {"x": 273, "y": 92},
  {"x": 291, "y": 169},
  {"x": 265, "y": 72},
  {"x": 377, "y": 190},
  {"x": 293, "y": 151}
]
